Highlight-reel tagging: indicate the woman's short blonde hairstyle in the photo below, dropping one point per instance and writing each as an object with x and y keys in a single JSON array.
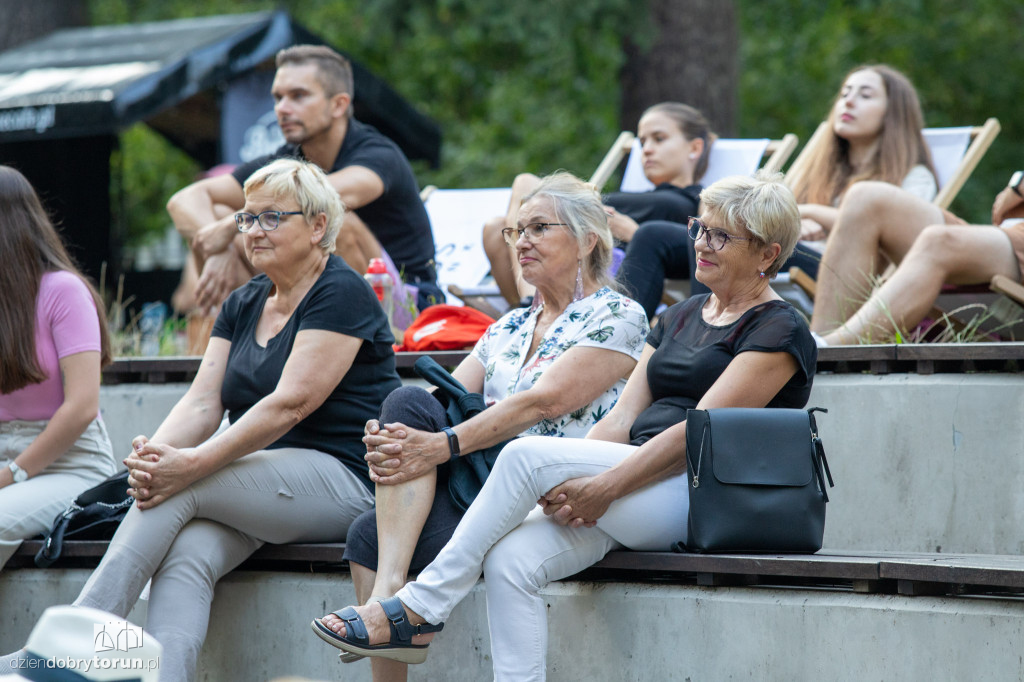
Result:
[
  {"x": 763, "y": 206},
  {"x": 578, "y": 204},
  {"x": 308, "y": 185}
]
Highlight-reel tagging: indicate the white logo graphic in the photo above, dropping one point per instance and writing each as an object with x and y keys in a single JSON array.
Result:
[
  {"x": 262, "y": 137},
  {"x": 116, "y": 636},
  {"x": 428, "y": 329},
  {"x": 39, "y": 119}
]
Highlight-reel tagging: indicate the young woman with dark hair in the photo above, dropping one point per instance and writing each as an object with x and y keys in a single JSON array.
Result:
[{"x": 53, "y": 444}]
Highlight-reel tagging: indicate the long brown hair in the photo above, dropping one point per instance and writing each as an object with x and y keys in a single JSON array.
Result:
[
  {"x": 30, "y": 247},
  {"x": 691, "y": 124},
  {"x": 824, "y": 172}
]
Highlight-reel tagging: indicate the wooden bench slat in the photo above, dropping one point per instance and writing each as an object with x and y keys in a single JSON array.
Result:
[
  {"x": 981, "y": 570},
  {"x": 910, "y": 573},
  {"x": 844, "y": 567},
  {"x": 879, "y": 358}
]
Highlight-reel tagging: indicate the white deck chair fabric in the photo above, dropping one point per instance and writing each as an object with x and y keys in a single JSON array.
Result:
[
  {"x": 948, "y": 146},
  {"x": 455, "y": 218},
  {"x": 728, "y": 157}
]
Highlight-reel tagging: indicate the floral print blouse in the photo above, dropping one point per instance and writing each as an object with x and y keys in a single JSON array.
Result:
[{"x": 605, "y": 319}]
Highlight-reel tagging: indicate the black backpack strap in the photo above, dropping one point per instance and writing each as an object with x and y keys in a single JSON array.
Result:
[
  {"x": 819, "y": 454},
  {"x": 428, "y": 368},
  {"x": 51, "y": 549}
]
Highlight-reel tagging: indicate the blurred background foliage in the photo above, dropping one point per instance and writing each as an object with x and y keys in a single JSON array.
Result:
[
  {"x": 962, "y": 58},
  {"x": 530, "y": 86}
]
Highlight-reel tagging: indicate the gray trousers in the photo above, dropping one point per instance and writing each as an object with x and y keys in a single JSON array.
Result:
[
  {"x": 29, "y": 508},
  {"x": 189, "y": 541}
]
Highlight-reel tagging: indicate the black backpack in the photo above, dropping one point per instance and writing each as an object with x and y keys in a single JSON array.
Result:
[
  {"x": 94, "y": 515},
  {"x": 466, "y": 473}
]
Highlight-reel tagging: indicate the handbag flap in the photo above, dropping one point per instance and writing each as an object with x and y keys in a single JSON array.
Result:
[{"x": 761, "y": 446}]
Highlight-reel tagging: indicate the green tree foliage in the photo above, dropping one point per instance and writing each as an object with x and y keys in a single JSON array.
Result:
[
  {"x": 529, "y": 86},
  {"x": 962, "y": 59},
  {"x": 514, "y": 86},
  {"x": 146, "y": 171}
]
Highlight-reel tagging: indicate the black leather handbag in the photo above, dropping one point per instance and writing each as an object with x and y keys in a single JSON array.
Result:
[
  {"x": 94, "y": 515},
  {"x": 467, "y": 472},
  {"x": 757, "y": 480}
]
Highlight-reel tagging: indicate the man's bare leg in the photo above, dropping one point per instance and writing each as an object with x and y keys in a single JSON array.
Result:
[
  {"x": 504, "y": 265},
  {"x": 184, "y": 298},
  {"x": 956, "y": 254},
  {"x": 221, "y": 273},
  {"x": 874, "y": 218},
  {"x": 356, "y": 244}
]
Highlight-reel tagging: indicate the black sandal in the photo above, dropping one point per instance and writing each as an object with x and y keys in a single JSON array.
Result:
[{"x": 399, "y": 648}]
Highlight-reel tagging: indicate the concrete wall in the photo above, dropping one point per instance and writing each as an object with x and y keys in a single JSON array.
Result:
[
  {"x": 924, "y": 463},
  {"x": 602, "y": 631},
  {"x": 921, "y": 463},
  {"x": 132, "y": 409}
]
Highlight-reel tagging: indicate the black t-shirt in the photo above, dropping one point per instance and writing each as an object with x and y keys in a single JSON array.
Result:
[
  {"x": 397, "y": 217},
  {"x": 340, "y": 301},
  {"x": 664, "y": 202},
  {"x": 691, "y": 354}
]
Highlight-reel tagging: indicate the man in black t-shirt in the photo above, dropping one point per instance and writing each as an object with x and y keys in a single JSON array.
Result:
[{"x": 312, "y": 92}]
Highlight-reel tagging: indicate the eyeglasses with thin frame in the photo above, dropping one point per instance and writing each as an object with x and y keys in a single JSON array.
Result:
[
  {"x": 533, "y": 232},
  {"x": 268, "y": 220},
  {"x": 716, "y": 238}
]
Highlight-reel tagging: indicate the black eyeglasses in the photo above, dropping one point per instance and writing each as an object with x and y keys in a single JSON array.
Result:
[
  {"x": 533, "y": 232},
  {"x": 715, "y": 238},
  {"x": 268, "y": 220}
]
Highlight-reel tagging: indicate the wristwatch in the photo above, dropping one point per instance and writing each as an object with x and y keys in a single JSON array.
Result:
[
  {"x": 17, "y": 472},
  {"x": 453, "y": 441},
  {"x": 1015, "y": 182}
]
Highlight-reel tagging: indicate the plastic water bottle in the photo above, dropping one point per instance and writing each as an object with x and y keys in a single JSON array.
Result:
[
  {"x": 379, "y": 279},
  {"x": 151, "y": 324}
]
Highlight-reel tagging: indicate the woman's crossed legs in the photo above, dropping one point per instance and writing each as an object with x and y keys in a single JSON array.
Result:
[{"x": 524, "y": 554}]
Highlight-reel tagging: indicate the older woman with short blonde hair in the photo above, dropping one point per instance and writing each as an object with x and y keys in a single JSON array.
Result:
[{"x": 300, "y": 359}]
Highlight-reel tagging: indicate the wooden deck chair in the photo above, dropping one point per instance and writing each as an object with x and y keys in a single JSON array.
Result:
[
  {"x": 960, "y": 149},
  {"x": 455, "y": 218},
  {"x": 956, "y": 152},
  {"x": 728, "y": 157}
]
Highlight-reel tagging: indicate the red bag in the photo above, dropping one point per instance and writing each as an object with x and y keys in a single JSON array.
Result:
[{"x": 445, "y": 327}]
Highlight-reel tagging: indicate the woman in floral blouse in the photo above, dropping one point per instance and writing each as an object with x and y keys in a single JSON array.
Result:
[{"x": 552, "y": 370}]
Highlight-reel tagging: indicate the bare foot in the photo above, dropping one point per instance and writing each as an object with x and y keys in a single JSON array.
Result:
[{"x": 376, "y": 622}]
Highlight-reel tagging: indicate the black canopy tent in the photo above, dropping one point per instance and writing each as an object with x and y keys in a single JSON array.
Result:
[{"x": 65, "y": 97}]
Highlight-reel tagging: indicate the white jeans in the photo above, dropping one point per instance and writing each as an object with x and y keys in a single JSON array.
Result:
[
  {"x": 507, "y": 536},
  {"x": 189, "y": 541},
  {"x": 30, "y": 507}
]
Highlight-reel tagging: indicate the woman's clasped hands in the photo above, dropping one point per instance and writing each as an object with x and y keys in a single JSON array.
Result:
[
  {"x": 397, "y": 453},
  {"x": 577, "y": 503},
  {"x": 156, "y": 472}
]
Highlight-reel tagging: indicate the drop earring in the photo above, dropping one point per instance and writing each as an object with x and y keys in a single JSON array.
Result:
[
  {"x": 762, "y": 275},
  {"x": 578, "y": 294}
]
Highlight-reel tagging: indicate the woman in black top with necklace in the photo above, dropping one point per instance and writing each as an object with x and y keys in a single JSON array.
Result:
[{"x": 300, "y": 359}]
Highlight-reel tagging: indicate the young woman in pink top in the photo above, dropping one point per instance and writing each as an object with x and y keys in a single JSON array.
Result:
[{"x": 53, "y": 444}]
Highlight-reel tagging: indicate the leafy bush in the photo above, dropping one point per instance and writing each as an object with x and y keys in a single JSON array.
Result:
[
  {"x": 529, "y": 87},
  {"x": 961, "y": 60}
]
